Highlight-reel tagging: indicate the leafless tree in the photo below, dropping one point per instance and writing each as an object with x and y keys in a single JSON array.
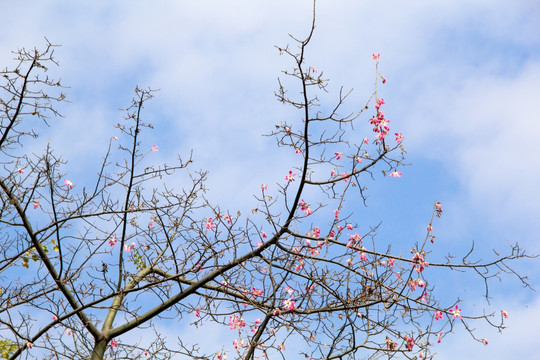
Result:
[{"x": 81, "y": 267}]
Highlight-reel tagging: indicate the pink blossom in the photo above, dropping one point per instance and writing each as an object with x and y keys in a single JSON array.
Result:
[
  {"x": 68, "y": 183},
  {"x": 20, "y": 171},
  {"x": 68, "y": 332},
  {"x": 289, "y": 304},
  {"x": 151, "y": 223},
  {"x": 438, "y": 315},
  {"x": 379, "y": 103},
  {"x": 197, "y": 312},
  {"x": 366, "y": 141},
  {"x": 358, "y": 159},
  {"x": 277, "y": 312},
  {"x": 210, "y": 225},
  {"x": 456, "y": 312},
  {"x": 349, "y": 227},
  {"x": 333, "y": 172},
  {"x": 336, "y": 214},
  {"x": 395, "y": 174},
  {"x": 504, "y": 314},
  {"x": 113, "y": 241},
  {"x": 439, "y": 337},
  {"x": 154, "y": 148},
  {"x": 399, "y": 138},
  {"x": 410, "y": 342},
  {"x": 54, "y": 317},
  {"x": 263, "y": 234},
  {"x": 29, "y": 345},
  {"x": 391, "y": 262},
  {"x": 281, "y": 346},
  {"x": 264, "y": 187},
  {"x": 297, "y": 151},
  {"x": 305, "y": 207},
  {"x": 114, "y": 344},
  {"x": 485, "y": 341},
  {"x": 128, "y": 248},
  {"x": 220, "y": 356},
  {"x": 236, "y": 321},
  {"x": 363, "y": 256},
  {"x": 429, "y": 228},
  {"x": 314, "y": 70},
  {"x": 36, "y": 204},
  {"x": 339, "y": 155},
  {"x": 349, "y": 262},
  {"x": 383, "y": 79},
  {"x": 290, "y": 176},
  {"x": 238, "y": 344},
  {"x": 376, "y": 57}
]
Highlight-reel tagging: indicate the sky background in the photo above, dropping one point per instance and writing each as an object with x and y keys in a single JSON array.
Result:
[{"x": 463, "y": 88}]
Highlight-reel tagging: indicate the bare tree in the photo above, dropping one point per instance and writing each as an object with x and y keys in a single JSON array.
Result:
[{"x": 82, "y": 267}]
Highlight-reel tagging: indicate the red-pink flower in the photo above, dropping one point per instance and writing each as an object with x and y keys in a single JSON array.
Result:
[
  {"x": 36, "y": 204},
  {"x": 410, "y": 342},
  {"x": 379, "y": 103},
  {"x": 20, "y": 171},
  {"x": 438, "y": 315},
  {"x": 210, "y": 225},
  {"x": 485, "y": 341},
  {"x": 289, "y": 304},
  {"x": 290, "y": 176},
  {"x": 395, "y": 173},
  {"x": 305, "y": 207},
  {"x": 114, "y": 344},
  {"x": 339, "y": 155},
  {"x": 456, "y": 312},
  {"x": 504, "y": 314},
  {"x": 264, "y": 187},
  {"x": 154, "y": 148},
  {"x": 113, "y": 241},
  {"x": 383, "y": 79},
  {"x": 399, "y": 138},
  {"x": 376, "y": 57},
  {"x": 297, "y": 151},
  {"x": 439, "y": 336},
  {"x": 236, "y": 321},
  {"x": 68, "y": 183},
  {"x": 366, "y": 141}
]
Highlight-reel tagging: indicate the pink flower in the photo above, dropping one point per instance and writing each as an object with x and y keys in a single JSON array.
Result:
[
  {"x": 210, "y": 225},
  {"x": 438, "y": 315},
  {"x": 376, "y": 57},
  {"x": 339, "y": 155},
  {"x": 485, "y": 341},
  {"x": 290, "y": 177},
  {"x": 430, "y": 228},
  {"x": 197, "y": 312},
  {"x": 281, "y": 347},
  {"x": 236, "y": 321},
  {"x": 69, "y": 184},
  {"x": 54, "y": 317},
  {"x": 336, "y": 214},
  {"x": 154, "y": 148},
  {"x": 349, "y": 262},
  {"x": 456, "y": 312},
  {"x": 383, "y": 79},
  {"x": 113, "y": 241},
  {"x": 366, "y": 141},
  {"x": 349, "y": 227},
  {"x": 263, "y": 234},
  {"x": 29, "y": 345},
  {"x": 504, "y": 314},
  {"x": 68, "y": 332},
  {"x": 114, "y": 344},
  {"x": 314, "y": 70},
  {"x": 36, "y": 204},
  {"x": 410, "y": 342},
  {"x": 220, "y": 356},
  {"x": 333, "y": 172},
  {"x": 379, "y": 103},
  {"x": 399, "y": 138},
  {"x": 439, "y": 337},
  {"x": 264, "y": 187},
  {"x": 297, "y": 151},
  {"x": 20, "y": 171},
  {"x": 289, "y": 304},
  {"x": 395, "y": 173},
  {"x": 128, "y": 248},
  {"x": 305, "y": 207}
]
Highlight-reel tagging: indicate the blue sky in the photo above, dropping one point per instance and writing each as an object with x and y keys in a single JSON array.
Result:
[{"x": 462, "y": 87}]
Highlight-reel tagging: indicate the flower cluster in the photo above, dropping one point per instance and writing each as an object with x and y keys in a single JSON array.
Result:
[
  {"x": 379, "y": 122},
  {"x": 305, "y": 207},
  {"x": 236, "y": 321}
]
